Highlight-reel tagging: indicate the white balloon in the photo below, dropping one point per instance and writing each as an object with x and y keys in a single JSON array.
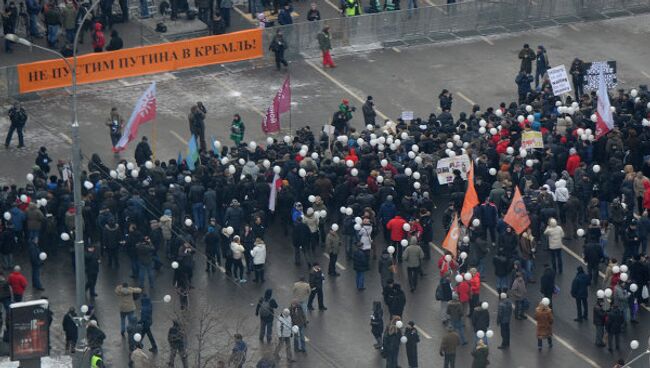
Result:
[
  {"x": 634, "y": 288},
  {"x": 148, "y": 165},
  {"x": 476, "y": 222},
  {"x": 634, "y": 344},
  {"x": 311, "y": 198},
  {"x": 459, "y": 278},
  {"x": 418, "y": 160},
  {"x": 314, "y": 155},
  {"x": 277, "y": 169},
  {"x": 225, "y": 160},
  {"x": 406, "y": 227},
  {"x": 416, "y": 175},
  {"x": 612, "y": 108},
  {"x": 384, "y": 162},
  {"x": 529, "y": 108},
  {"x": 415, "y": 148},
  {"x": 417, "y": 185},
  {"x": 456, "y": 137},
  {"x": 266, "y": 163},
  {"x": 450, "y": 145},
  {"x": 530, "y": 163},
  {"x": 167, "y": 298},
  {"x": 623, "y": 268},
  {"x": 174, "y": 265},
  {"x": 596, "y": 168},
  {"x": 608, "y": 292},
  {"x": 483, "y": 123},
  {"x": 7, "y": 216},
  {"x": 391, "y": 249},
  {"x": 493, "y": 171},
  {"x": 232, "y": 169},
  {"x": 84, "y": 309},
  {"x": 493, "y": 131},
  {"x": 546, "y": 301},
  {"x": 510, "y": 150},
  {"x": 113, "y": 174},
  {"x": 481, "y": 130},
  {"x": 230, "y": 230},
  {"x": 130, "y": 166},
  {"x": 523, "y": 153},
  {"x": 287, "y": 139},
  {"x": 380, "y": 179},
  {"x": 241, "y": 161},
  {"x": 480, "y": 334},
  {"x": 137, "y": 337},
  {"x": 466, "y": 239},
  {"x": 30, "y": 177},
  {"x": 24, "y": 198},
  {"x": 452, "y": 154},
  {"x": 588, "y": 131},
  {"x": 616, "y": 269},
  {"x": 448, "y": 257},
  {"x": 489, "y": 333},
  {"x": 336, "y": 159},
  {"x": 530, "y": 118},
  {"x": 134, "y": 173},
  {"x": 188, "y": 222},
  {"x": 252, "y": 145},
  {"x": 594, "y": 118},
  {"x": 358, "y": 220},
  {"x": 188, "y": 179},
  {"x": 335, "y": 227},
  {"x": 217, "y": 144},
  {"x": 467, "y": 276},
  {"x": 349, "y": 211},
  {"x": 295, "y": 329},
  {"x": 600, "y": 294},
  {"x": 121, "y": 167},
  {"x": 404, "y": 242},
  {"x": 354, "y": 172},
  {"x": 88, "y": 185},
  {"x": 403, "y": 339},
  {"x": 498, "y": 112},
  {"x": 269, "y": 141},
  {"x": 42, "y": 256},
  {"x": 411, "y": 155},
  {"x": 521, "y": 118},
  {"x": 302, "y": 153},
  {"x": 302, "y": 173},
  {"x": 65, "y": 236},
  {"x": 580, "y": 232},
  {"x": 349, "y": 163},
  {"x": 399, "y": 324},
  {"x": 408, "y": 171},
  {"x": 484, "y": 305},
  {"x": 624, "y": 277},
  {"x": 463, "y": 255}
]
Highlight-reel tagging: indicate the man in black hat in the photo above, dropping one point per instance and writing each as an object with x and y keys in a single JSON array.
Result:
[{"x": 369, "y": 113}]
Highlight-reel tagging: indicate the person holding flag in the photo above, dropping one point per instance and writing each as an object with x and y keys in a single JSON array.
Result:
[
  {"x": 144, "y": 111},
  {"x": 604, "y": 117},
  {"x": 115, "y": 123}
]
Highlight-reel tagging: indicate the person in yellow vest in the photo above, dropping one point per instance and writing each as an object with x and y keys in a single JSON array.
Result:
[
  {"x": 96, "y": 361},
  {"x": 351, "y": 8}
]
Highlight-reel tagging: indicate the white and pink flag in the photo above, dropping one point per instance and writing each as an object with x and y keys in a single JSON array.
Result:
[
  {"x": 281, "y": 103},
  {"x": 145, "y": 110},
  {"x": 604, "y": 117}
]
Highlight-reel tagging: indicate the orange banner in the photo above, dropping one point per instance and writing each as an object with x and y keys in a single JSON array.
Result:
[
  {"x": 103, "y": 66},
  {"x": 517, "y": 215}
]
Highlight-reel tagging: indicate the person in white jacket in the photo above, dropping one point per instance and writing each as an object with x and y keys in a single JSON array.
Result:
[
  {"x": 555, "y": 234},
  {"x": 237, "y": 250},
  {"x": 561, "y": 197},
  {"x": 284, "y": 329},
  {"x": 259, "y": 259}
]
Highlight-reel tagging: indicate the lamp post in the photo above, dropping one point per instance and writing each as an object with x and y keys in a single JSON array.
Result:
[{"x": 79, "y": 250}]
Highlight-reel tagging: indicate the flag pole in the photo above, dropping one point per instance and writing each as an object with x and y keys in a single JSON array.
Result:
[
  {"x": 290, "y": 98},
  {"x": 154, "y": 137}
]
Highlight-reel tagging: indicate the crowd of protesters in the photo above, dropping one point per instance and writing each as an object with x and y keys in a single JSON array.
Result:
[{"x": 367, "y": 194}]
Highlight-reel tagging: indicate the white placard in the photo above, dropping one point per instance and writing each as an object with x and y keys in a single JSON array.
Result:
[{"x": 559, "y": 80}]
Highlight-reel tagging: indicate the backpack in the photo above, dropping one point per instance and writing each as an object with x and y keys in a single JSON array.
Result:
[{"x": 265, "y": 309}]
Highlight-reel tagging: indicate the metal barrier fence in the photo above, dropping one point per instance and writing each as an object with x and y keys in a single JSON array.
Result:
[
  {"x": 465, "y": 18},
  {"x": 439, "y": 22}
]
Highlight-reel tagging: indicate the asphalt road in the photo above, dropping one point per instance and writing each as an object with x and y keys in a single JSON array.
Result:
[{"x": 475, "y": 70}]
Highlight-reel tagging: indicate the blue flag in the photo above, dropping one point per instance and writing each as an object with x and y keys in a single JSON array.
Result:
[
  {"x": 179, "y": 160},
  {"x": 192, "y": 153}
]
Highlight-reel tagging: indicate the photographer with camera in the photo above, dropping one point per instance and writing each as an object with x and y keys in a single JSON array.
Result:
[{"x": 346, "y": 113}]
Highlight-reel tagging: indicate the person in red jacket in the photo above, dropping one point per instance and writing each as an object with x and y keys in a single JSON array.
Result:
[
  {"x": 99, "y": 40},
  {"x": 18, "y": 284},
  {"x": 475, "y": 283},
  {"x": 397, "y": 233},
  {"x": 464, "y": 291},
  {"x": 447, "y": 268},
  {"x": 572, "y": 162}
]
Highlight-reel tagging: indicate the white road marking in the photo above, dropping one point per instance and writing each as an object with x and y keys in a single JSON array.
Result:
[
  {"x": 646, "y": 75},
  {"x": 221, "y": 268},
  {"x": 487, "y": 40},
  {"x": 396, "y": 50},
  {"x": 333, "y": 6},
  {"x": 178, "y": 136},
  {"x": 465, "y": 98},
  {"x": 246, "y": 16},
  {"x": 66, "y": 138},
  {"x": 306, "y": 339},
  {"x": 341, "y": 86},
  {"x": 423, "y": 333},
  {"x": 530, "y": 319},
  {"x": 337, "y": 264},
  {"x": 574, "y": 27}
]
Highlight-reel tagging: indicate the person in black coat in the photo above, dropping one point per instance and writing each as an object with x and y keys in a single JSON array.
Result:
[
  {"x": 397, "y": 301},
  {"x": 278, "y": 46},
  {"x": 218, "y": 24},
  {"x": 43, "y": 160},
  {"x": 547, "y": 283},
  {"x": 523, "y": 81},
  {"x": 212, "y": 251},
  {"x": 413, "y": 339},
  {"x": 614, "y": 326},
  {"x": 115, "y": 42},
  {"x": 301, "y": 236},
  {"x": 71, "y": 330},
  {"x": 92, "y": 269},
  {"x": 593, "y": 255},
  {"x": 143, "y": 152},
  {"x": 360, "y": 265},
  {"x": 446, "y": 100},
  {"x": 316, "y": 284},
  {"x": 580, "y": 292}
]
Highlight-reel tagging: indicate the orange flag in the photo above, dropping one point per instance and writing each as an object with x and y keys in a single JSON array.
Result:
[
  {"x": 471, "y": 199},
  {"x": 451, "y": 240},
  {"x": 517, "y": 216}
]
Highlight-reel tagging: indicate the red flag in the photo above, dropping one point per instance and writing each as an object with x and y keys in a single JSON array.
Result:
[
  {"x": 144, "y": 111},
  {"x": 471, "y": 198},
  {"x": 281, "y": 103},
  {"x": 517, "y": 215},
  {"x": 604, "y": 118},
  {"x": 451, "y": 240}
]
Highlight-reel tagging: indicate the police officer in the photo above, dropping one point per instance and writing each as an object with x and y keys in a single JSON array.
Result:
[
  {"x": 96, "y": 360},
  {"x": 18, "y": 118}
]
